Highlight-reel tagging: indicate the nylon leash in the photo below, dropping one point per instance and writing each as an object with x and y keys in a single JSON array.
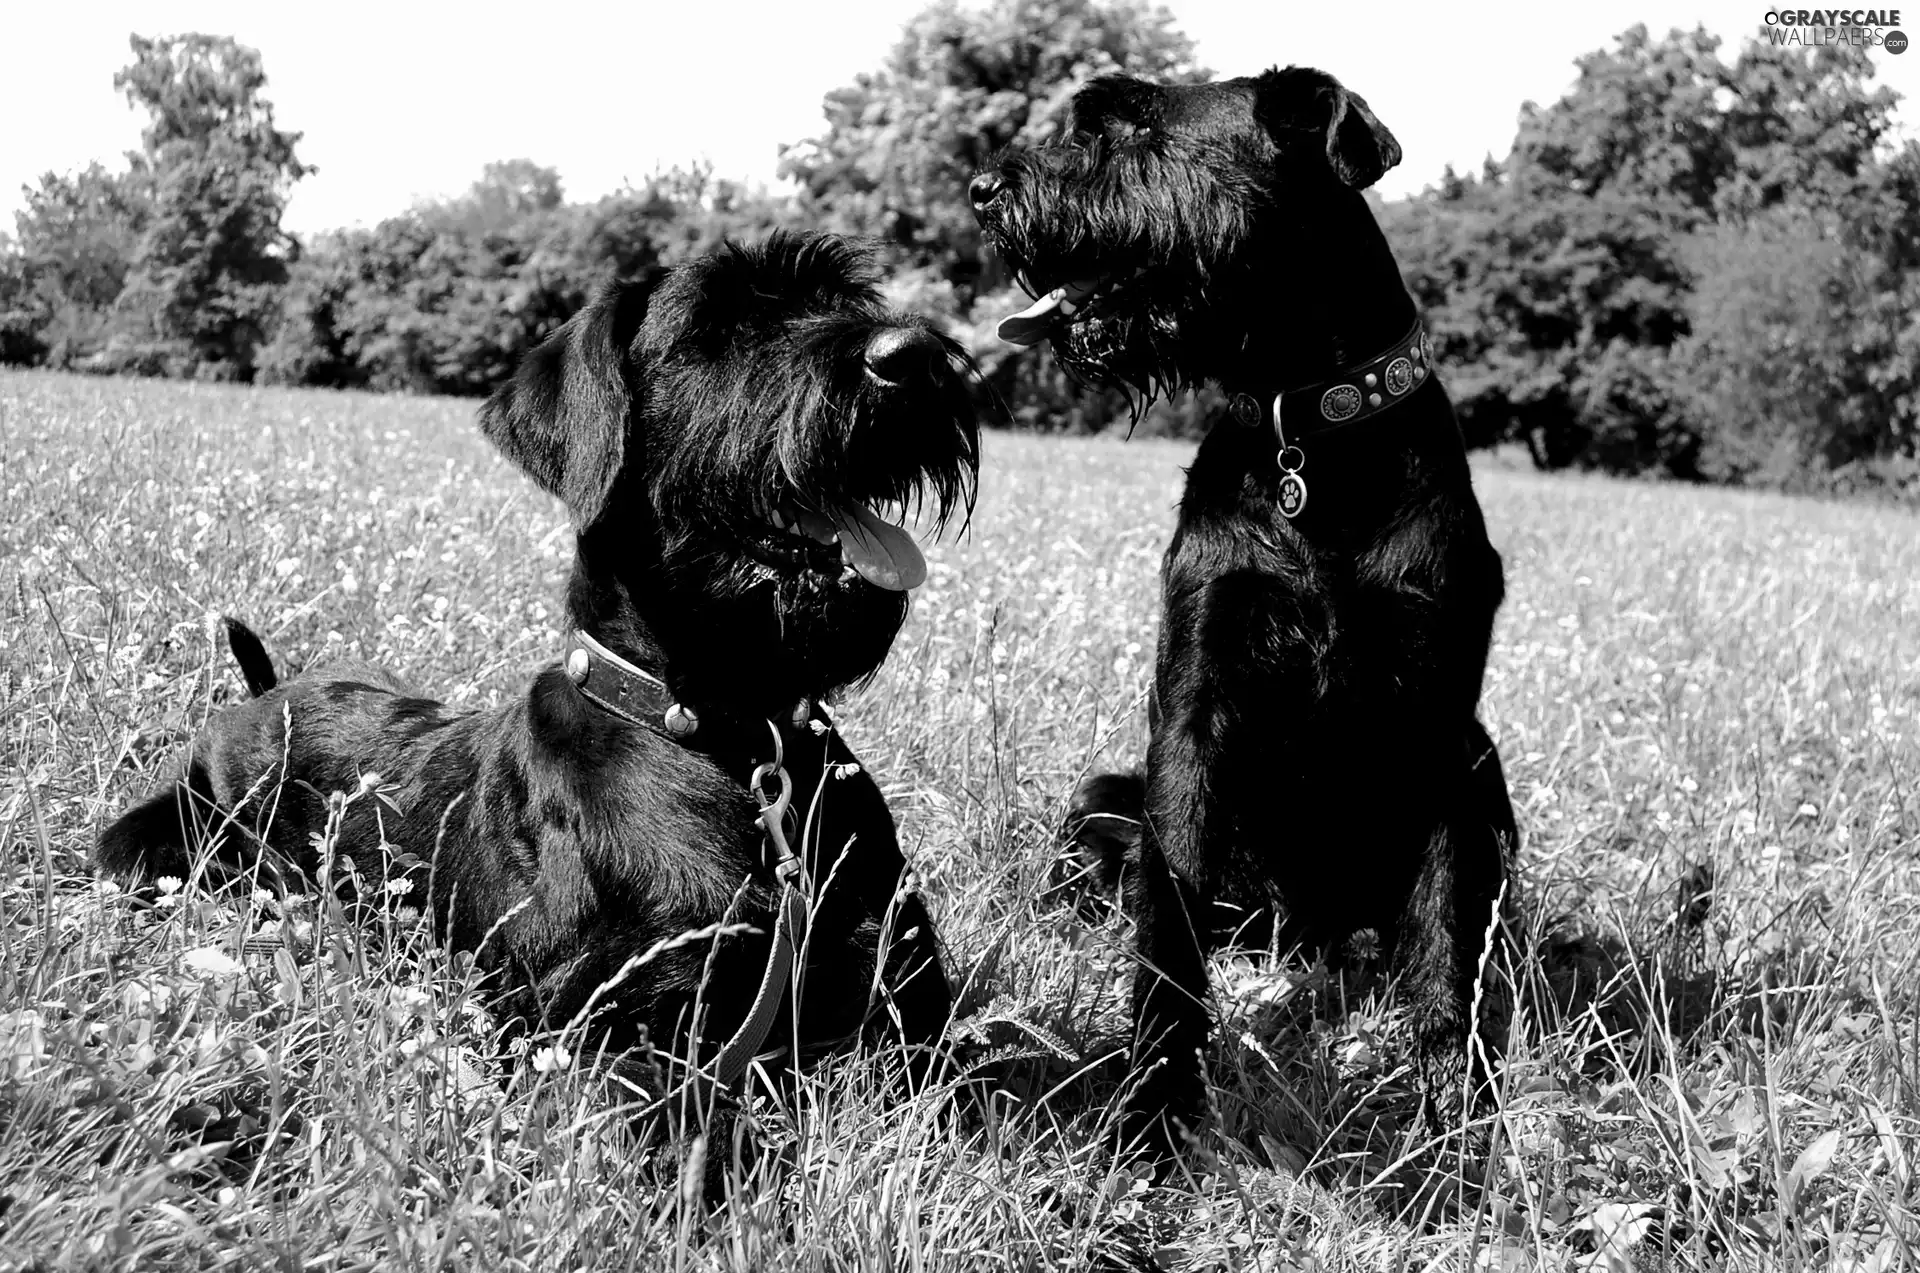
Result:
[{"x": 790, "y": 919}]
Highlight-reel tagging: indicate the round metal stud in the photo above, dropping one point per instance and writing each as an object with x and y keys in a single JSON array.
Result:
[
  {"x": 1342, "y": 402},
  {"x": 1373, "y": 399},
  {"x": 802, "y": 712},
  {"x": 577, "y": 667},
  {"x": 681, "y": 720},
  {"x": 1419, "y": 374},
  {"x": 1372, "y": 380},
  {"x": 1245, "y": 409},
  {"x": 1399, "y": 376}
]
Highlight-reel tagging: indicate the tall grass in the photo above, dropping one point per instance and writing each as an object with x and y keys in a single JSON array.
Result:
[{"x": 1690, "y": 688}]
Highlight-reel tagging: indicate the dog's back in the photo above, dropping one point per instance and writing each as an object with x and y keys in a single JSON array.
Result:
[{"x": 249, "y": 768}]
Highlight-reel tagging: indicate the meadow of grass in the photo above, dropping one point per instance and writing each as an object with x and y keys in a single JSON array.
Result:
[{"x": 1682, "y": 679}]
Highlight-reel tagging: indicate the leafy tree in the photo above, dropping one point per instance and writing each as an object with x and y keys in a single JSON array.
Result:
[
  {"x": 684, "y": 213},
  {"x": 1616, "y": 296},
  {"x": 419, "y": 304},
  {"x": 1554, "y": 316},
  {"x": 80, "y": 232},
  {"x": 1641, "y": 122},
  {"x": 77, "y": 236},
  {"x": 20, "y": 341},
  {"x": 211, "y": 256},
  {"x": 1804, "y": 128},
  {"x": 902, "y": 142},
  {"x": 446, "y": 297},
  {"x": 1801, "y": 369},
  {"x": 509, "y": 192}
]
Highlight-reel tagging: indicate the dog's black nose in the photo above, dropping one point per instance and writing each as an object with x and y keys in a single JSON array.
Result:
[
  {"x": 984, "y": 189},
  {"x": 898, "y": 354}
]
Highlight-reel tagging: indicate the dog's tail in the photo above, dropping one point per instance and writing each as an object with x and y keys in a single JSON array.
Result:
[{"x": 255, "y": 667}]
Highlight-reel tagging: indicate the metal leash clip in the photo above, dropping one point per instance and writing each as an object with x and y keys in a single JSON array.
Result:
[{"x": 773, "y": 810}]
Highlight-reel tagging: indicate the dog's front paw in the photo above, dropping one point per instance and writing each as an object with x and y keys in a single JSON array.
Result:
[{"x": 1165, "y": 1116}]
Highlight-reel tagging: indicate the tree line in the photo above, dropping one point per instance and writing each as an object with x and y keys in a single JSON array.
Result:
[
  {"x": 1688, "y": 265},
  {"x": 1694, "y": 265}
]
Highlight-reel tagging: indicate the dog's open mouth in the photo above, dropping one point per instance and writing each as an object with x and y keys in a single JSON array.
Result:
[
  {"x": 1034, "y": 323},
  {"x": 847, "y": 538},
  {"x": 1058, "y": 305}
]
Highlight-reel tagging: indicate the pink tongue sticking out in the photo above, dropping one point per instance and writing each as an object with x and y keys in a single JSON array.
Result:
[
  {"x": 883, "y": 554},
  {"x": 1029, "y": 326}
]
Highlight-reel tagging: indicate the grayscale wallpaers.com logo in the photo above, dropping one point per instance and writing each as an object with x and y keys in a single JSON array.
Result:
[{"x": 1865, "y": 28}]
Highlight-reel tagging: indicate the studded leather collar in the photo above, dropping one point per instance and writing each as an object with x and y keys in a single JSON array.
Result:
[
  {"x": 1356, "y": 394},
  {"x": 637, "y": 696}
]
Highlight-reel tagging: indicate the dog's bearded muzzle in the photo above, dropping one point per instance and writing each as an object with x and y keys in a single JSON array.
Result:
[
  {"x": 1107, "y": 281},
  {"x": 882, "y": 439}
]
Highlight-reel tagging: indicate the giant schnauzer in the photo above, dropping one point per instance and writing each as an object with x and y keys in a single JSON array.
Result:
[
  {"x": 1314, "y": 748},
  {"x": 735, "y": 440}
]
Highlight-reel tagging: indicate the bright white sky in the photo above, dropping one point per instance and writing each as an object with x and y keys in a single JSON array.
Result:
[{"x": 400, "y": 101}]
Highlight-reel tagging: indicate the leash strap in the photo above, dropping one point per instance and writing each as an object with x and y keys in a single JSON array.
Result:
[
  {"x": 790, "y": 921},
  {"x": 789, "y": 934}
]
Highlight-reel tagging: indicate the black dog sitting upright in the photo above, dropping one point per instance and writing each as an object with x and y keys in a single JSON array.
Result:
[
  {"x": 721, "y": 434},
  {"x": 1329, "y": 592}
]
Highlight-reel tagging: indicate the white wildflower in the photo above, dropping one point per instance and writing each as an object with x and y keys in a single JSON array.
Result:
[
  {"x": 211, "y": 961},
  {"x": 23, "y": 1041},
  {"x": 412, "y": 999}
]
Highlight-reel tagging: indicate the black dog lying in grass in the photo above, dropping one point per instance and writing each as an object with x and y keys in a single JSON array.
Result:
[
  {"x": 1314, "y": 747},
  {"x": 722, "y": 435}
]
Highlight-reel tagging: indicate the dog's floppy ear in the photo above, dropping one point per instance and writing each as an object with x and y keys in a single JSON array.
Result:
[
  {"x": 563, "y": 416},
  {"x": 1359, "y": 148}
]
